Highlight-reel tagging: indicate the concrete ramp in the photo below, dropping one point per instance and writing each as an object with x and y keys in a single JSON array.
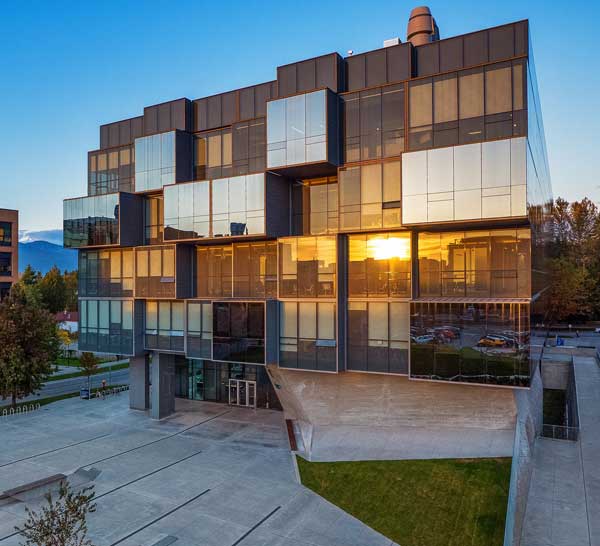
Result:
[{"x": 354, "y": 416}]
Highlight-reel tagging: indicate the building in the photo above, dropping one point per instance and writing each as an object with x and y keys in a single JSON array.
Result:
[
  {"x": 67, "y": 320},
  {"x": 358, "y": 233},
  {"x": 9, "y": 250}
]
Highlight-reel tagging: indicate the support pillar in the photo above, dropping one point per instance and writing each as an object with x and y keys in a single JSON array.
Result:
[
  {"x": 163, "y": 385},
  {"x": 139, "y": 383}
]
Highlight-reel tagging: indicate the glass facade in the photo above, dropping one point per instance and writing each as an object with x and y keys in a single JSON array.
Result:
[
  {"x": 307, "y": 335},
  {"x": 470, "y": 182},
  {"x": 106, "y": 326},
  {"x": 378, "y": 336},
  {"x": 485, "y": 343},
  {"x": 154, "y": 161},
  {"x": 153, "y": 220},
  {"x": 155, "y": 272},
  {"x": 106, "y": 273},
  {"x": 187, "y": 211},
  {"x": 111, "y": 171},
  {"x": 5, "y": 233},
  {"x": 213, "y": 155},
  {"x": 373, "y": 123},
  {"x": 249, "y": 146},
  {"x": 379, "y": 265},
  {"x": 164, "y": 325},
  {"x": 315, "y": 206},
  {"x": 307, "y": 267},
  {"x": 370, "y": 196},
  {"x": 297, "y": 130},
  {"x": 468, "y": 106},
  {"x": 238, "y": 206},
  {"x": 239, "y": 332},
  {"x": 199, "y": 327},
  {"x": 91, "y": 221},
  {"x": 476, "y": 264},
  {"x": 5, "y": 264},
  {"x": 214, "y": 271}
]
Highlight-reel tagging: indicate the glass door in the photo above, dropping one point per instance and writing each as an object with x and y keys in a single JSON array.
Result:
[{"x": 242, "y": 393}]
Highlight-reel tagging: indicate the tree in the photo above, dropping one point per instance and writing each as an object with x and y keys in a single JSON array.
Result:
[
  {"x": 53, "y": 289},
  {"x": 30, "y": 276},
  {"x": 89, "y": 364},
  {"x": 569, "y": 294},
  {"x": 65, "y": 342},
  {"x": 71, "y": 290},
  {"x": 29, "y": 344},
  {"x": 62, "y": 522}
]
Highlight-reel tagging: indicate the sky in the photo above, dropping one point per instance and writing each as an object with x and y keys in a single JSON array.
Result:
[{"x": 68, "y": 67}]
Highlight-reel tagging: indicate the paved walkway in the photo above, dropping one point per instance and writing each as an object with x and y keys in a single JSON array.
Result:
[
  {"x": 563, "y": 507},
  {"x": 211, "y": 475}
]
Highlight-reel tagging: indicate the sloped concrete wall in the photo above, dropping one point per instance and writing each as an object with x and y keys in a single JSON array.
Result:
[{"x": 370, "y": 403}]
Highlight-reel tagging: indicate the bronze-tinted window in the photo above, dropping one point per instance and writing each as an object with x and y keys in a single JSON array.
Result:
[
  {"x": 255, "y": 270},
  {"x": 213, "y": 155},
  {"x": 214, "y": 272}
]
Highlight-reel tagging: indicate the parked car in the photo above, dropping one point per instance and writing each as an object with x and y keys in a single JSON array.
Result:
[
  {"x": 492, "y": 341},
  {"x": 425, "y": 339}
]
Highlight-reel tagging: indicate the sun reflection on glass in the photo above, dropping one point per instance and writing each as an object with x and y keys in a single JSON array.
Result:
[{"x": 389, "y": 248}]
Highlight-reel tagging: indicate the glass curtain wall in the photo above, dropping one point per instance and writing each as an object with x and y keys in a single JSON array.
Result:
[
  {"x": 474, "y": 264},
  {"x": 106, "y": 326},
  {"x": 307, "y": 335},
  {"x": 297, "y": 130},
  {"x": 468, "y": 106},
  {"x": 91, "y": 221},
  {"x": 307, "y": 267},
  {"x": 214, "y": 271},
  {"x": 199, "y": 329},
  {"x": 373, "y": 123},
  {"x": 111, "y": 170},
  {"x": 153, "y": 220},
  {"x": 164, "y": 325},
  {"x": 106, "y": 273},
  {"x": 239, "y": 332},
  {"x": 154, "y": 161},
  {"x": 187, "y": 211},
  {"x": 378, "y": 336},
  {"x": 155, "y": 272},
  {"x": 213, "y": 155},
  {"x": 249, "y": 146},
  {"x": 486, "y": 343},
  {"x": 379, "y": 265},
  {"x": 370, "y": 196},
  {"x": 315, "y": 206}
]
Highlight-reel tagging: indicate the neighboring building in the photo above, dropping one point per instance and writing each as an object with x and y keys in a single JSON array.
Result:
[
  {"x": 359, "y": 232},
  {"x": 9, "y": 250},
  {"x": 68, "y": 320}
]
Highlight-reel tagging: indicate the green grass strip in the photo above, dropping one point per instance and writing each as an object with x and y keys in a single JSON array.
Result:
[{"x": 121, "y": 366}]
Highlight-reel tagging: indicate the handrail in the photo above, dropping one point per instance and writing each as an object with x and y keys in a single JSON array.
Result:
[{"x": 560, "y": 432}]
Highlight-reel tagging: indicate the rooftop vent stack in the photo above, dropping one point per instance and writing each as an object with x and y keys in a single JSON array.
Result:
[
  {"x": 422, "y": 27},
  {"x": 391, "y": 42}
]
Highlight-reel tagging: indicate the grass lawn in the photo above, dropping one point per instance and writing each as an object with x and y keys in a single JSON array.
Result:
[
  {"x": 445, "y": 502},
  {"x": 115, "y": 367}
]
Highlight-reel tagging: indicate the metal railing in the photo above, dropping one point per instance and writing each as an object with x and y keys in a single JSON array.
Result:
[
  {"x": 558, "y": 432},
  {"x": 20, "y": 410}
]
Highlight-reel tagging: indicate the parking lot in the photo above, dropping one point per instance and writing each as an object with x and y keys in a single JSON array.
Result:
[{"x": 210, "y": 475}]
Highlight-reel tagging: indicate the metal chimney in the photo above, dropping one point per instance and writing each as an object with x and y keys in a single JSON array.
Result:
[{"x": 422, "y": 27}]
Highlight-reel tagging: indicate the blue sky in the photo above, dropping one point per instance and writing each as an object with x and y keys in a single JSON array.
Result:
[{"x": 68, "y": 67}]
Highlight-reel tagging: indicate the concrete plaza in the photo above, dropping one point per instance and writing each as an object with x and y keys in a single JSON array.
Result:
[{"x": 210, "y": 475}]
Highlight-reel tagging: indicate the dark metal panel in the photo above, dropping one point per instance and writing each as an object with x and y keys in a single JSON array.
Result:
[
  {"x": 451, "y": 54},
  {"x": 131, "y": 224},
  {"x": 342, "y": 300},
  {"x": 201, "y": 115},
  {"x": 125, "y": 132},
  {"x": 184, "y": 260},
  {"x": 334, "y": 141},
  {"x": 376, "y": 67},
  {"x": 103, "y": 136},
  {"x": 399, "y": 62},
  {"x": 138, "y": 327},
  {"x": 229, "y": 108},
  {"x": 113, "y": 134},
  {"x": 164, "y": 117},
  {"x": 327, "y": 72},
  {"x": 286, "y": 80},
  {"x": 306, "y": 77},
  {"x": 355, "y": 72},
  {"x": 150, "y": 120},
  {"x": 277, "y": 205},
  {"x": 247, "y": 103},
  {"x": 181, "y": 114},
  {"x": 501, "y": 42},
  {"x": 271, "y": 332},
  {"x": 214, "y": 112},
  {"x": 522, "y": 38},
  {"x": 428, "y": 59},
  {"x": 262, "y": 93},
  {"x": 137, "y": 127},
  {"x": 475, "y": 48},
  {"x": 183, "y": 156}
]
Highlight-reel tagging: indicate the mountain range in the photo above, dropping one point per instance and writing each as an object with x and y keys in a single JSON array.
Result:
[{"x": 43, "y": 249}]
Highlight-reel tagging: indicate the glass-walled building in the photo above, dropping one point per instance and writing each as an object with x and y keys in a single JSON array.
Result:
[
  {"x": 383, "y": 213},
  {"x": 9, "y": 250}
]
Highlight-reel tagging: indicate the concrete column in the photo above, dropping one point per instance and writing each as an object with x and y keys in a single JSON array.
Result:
[
  {"x": 139, "y": 383},
  {"x": 163, "y": 385}
]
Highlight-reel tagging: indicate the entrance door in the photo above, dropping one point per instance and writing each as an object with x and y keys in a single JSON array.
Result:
[{"x": 242, "y": 393}]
